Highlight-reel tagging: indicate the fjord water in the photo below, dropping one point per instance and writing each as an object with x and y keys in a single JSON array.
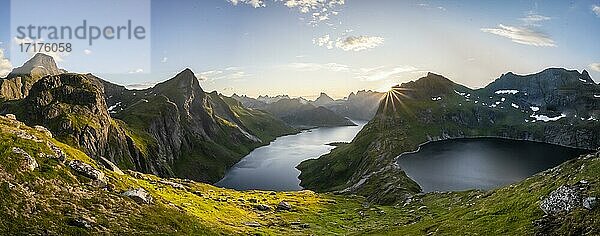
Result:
[
  {"x": 273, "y": 167},
  {"x": 480, "y": 163}
]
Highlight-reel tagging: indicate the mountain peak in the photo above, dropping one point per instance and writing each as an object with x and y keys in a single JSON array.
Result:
[
  {"x": 40, "y": 65},
  {"x": 323, "y": 99}
]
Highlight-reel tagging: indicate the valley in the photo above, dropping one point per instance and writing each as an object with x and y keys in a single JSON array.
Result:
[{"x": 81, "y": 155}]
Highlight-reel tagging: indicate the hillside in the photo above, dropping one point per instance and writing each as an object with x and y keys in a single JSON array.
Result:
[
  {"x": 435, "y": 108},
  {"x": 172, "y": 129},
  {"x": 51, "y": 188}
]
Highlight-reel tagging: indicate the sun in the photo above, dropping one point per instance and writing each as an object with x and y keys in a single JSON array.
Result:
[{"x": 393, "y": 99}]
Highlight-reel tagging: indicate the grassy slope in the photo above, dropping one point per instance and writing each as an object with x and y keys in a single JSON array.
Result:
[{"x": 46, "y": 199}]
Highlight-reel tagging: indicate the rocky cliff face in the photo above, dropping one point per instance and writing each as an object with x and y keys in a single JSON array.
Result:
[
  {"x": 18, "y": 83},
  {"x": 196, "y": 135},
  {"x": 72, "y": 106},
  {"x": 554, "y": 106}
]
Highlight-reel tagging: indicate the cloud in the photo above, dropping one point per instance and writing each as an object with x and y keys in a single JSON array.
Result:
[
  {"x": 317, "y": 10},
  {"x": 358, "y": 43},
  {"x": 364, "y": 74},
  {"x": 382, "y": 73},
  {"x": 253, "y": 3},
  {"x": 87, "y": 52},
  {"x": 164, "y": 59},
  {"x": 596, "y": 10},
  {"x": 307, "y": 66},
  {"x": 140, "y": 86},
  {"x": 349, "y": 43},
  {"x": 233, "y": 73},
  {"x": 522, "y": 35},
  {"x": 324, "y": 41},
  {"x": 137, "y": 71},
  {"x": 595, "y": 67},
  {"x": 5, "y": 65},
  {"x": 534, "y": 19}
]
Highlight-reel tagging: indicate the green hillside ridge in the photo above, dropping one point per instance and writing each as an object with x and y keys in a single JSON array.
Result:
[
  {"x": 51, "y": 197},
  {"x": 434, "y": 108}
]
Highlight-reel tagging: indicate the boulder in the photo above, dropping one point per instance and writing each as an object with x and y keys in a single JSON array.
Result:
[
  {"x": 111, "y": 166},
  {"x": 589, "y": 203},
  {"x": 172, "y": 184},
  {"x": 58, "y": 153},
  {"x": 80, "y": 222},
  {"x": 139, "y": 195},
  {"x": 563, "y": 199},
  {"x": 284, "y": 206},
  {"x": 86, "y": 170},
  {"x": 262, "y": 207},
  {"x": 252, "y": 224},
  {"x": 28, "y": 162},
  {"x": 43, "y": 130}
]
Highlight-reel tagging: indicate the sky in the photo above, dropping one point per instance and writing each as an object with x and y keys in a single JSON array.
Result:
[{"x": 304, "y": 47}]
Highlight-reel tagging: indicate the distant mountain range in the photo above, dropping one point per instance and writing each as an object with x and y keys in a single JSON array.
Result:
[
  {"x": 300, "y": 112},
  {"x": 556, "y": 106}
]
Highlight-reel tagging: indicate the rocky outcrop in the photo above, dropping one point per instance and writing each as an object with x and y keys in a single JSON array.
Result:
[
  {"x": 18, "y": 83},
  {"x": 563, "y": 199},
  {"x": 284, "y": 206},
  {"x": 187, "y": 132},
  {"x": 139, "y": 195},
  {"x": 28, "y": 162},
  {"x": 86, "y": 170},
  {"x": 73, "y": 109}
]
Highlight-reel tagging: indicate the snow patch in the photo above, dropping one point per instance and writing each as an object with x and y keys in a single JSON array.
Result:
[
  {"x": 436, "y": 99},
  {"x": 534, "y": 108},
  {"x": 596, "y": 95},
  {"x": 545, "y": 118},
  {"x": 112, "y": 108},
  {"x": 507, "y": 91},
  {"x": 515, "y": 105}
]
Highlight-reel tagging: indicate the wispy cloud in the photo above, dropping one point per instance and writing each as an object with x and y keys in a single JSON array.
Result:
[
  {"x": 164, "y": 59},
  {"x": 382, "y": 73},
  {"x": 5, "y": 65},
  {"x": 87, "y": 52},
  {"x": 233, "y": 73},
  {"x": 595, "y": 67},
  {"x": 349, "y": 43},
  {"x": 307, "y": 66},
  {"x": 522, "y": 35},
  {"x": 534, "y": 19},
  {"x": 363, "y": 74},
  {"x": 143, "y": 85},
  {"x": 359, "y": 43},
  {"x": 596, "y": 10},
  {"x": 136, "y": 71}
]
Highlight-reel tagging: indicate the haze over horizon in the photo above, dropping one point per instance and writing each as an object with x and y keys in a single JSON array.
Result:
[{"x": 302, "y": 48}]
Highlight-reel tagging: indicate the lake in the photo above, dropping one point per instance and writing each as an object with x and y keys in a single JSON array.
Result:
[
  {"x": 273, "y": 167},
  {"x": 480, "y": 163}
]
